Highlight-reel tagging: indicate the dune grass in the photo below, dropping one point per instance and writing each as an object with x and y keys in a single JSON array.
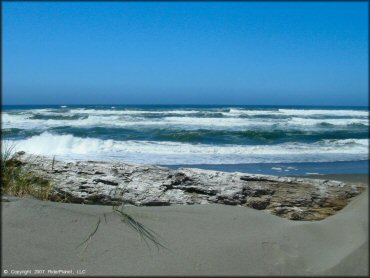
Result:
[
  {"x": 144, "y": 232},
  {"x": 18, "y": 179}
]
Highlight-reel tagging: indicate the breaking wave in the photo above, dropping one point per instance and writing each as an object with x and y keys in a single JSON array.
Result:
[{"x": 69, "y": 146}]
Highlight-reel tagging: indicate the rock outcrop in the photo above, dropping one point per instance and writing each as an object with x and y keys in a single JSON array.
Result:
[{"x": 142, "y": 185}]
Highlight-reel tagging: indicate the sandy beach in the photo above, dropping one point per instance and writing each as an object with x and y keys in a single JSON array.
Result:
[
  {"x": 207, "y": 239},
  {"x": 182, "y": 139}
]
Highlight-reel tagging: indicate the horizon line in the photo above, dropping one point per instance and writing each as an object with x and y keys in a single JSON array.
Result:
[{"x": 187, "y": 104}]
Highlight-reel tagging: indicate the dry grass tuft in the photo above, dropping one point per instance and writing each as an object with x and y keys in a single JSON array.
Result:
[{"x": 17, "y": 178}]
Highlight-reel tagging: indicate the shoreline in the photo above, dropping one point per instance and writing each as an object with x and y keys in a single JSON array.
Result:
[
  {"x": 303, "y": 169},
  {"x": 348, "y": 178}
]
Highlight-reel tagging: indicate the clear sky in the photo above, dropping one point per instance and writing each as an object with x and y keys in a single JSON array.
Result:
[{"x": 285, "y": 53}]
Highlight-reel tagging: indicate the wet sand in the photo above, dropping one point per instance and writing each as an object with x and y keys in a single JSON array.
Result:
[{"x": 348, "y": 178}]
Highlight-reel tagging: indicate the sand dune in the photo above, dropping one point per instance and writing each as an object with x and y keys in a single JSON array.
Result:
[{"x": 201, "y": 240}]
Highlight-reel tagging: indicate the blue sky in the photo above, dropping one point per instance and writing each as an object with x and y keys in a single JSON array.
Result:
[{"x": 284, "y": 53}]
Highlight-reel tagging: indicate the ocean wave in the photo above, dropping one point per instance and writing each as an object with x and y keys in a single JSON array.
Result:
[
  {"x": 327, "y": 112},
  {"x": 57, "y": 117},
  {"x": 16, "y": 133},
  {"x": 207, "y": 136},
  {"x": 130, "y": 111},
  {"x": 297, "y": 112},
  {"x": 200, "y": 112},
  {"x": 338, "y": 122},
  {"x": 229, "y": 112},
  {"x": 163, "y": 152},
  {"x": 37, "y": 120}
]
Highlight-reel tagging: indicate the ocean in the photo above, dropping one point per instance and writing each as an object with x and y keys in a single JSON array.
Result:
[{"x": 290, "y": 140}]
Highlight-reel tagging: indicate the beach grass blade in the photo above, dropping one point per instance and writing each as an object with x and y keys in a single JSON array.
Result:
[{"x": 144, "y": 232}]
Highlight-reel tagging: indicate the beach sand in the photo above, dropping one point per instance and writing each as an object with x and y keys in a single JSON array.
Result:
[
  {"x": 348, "y": 178},
  {"x": 201, "y": 240}
]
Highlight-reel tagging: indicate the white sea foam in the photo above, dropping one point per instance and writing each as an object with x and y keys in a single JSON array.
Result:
[
  {"x": 309, "y": 122},
  {"x": 69, "y": 146},
  {"x": 107, "y": 119},
  {"x": 242, "y": 122},
  {"x": 311, "y": 112},
  {"x": 130, "y": 111},
  {"x": 235, "y": 112},
  {"x": 297, "y": 112},
  {"x": 216, "y": 122}
]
